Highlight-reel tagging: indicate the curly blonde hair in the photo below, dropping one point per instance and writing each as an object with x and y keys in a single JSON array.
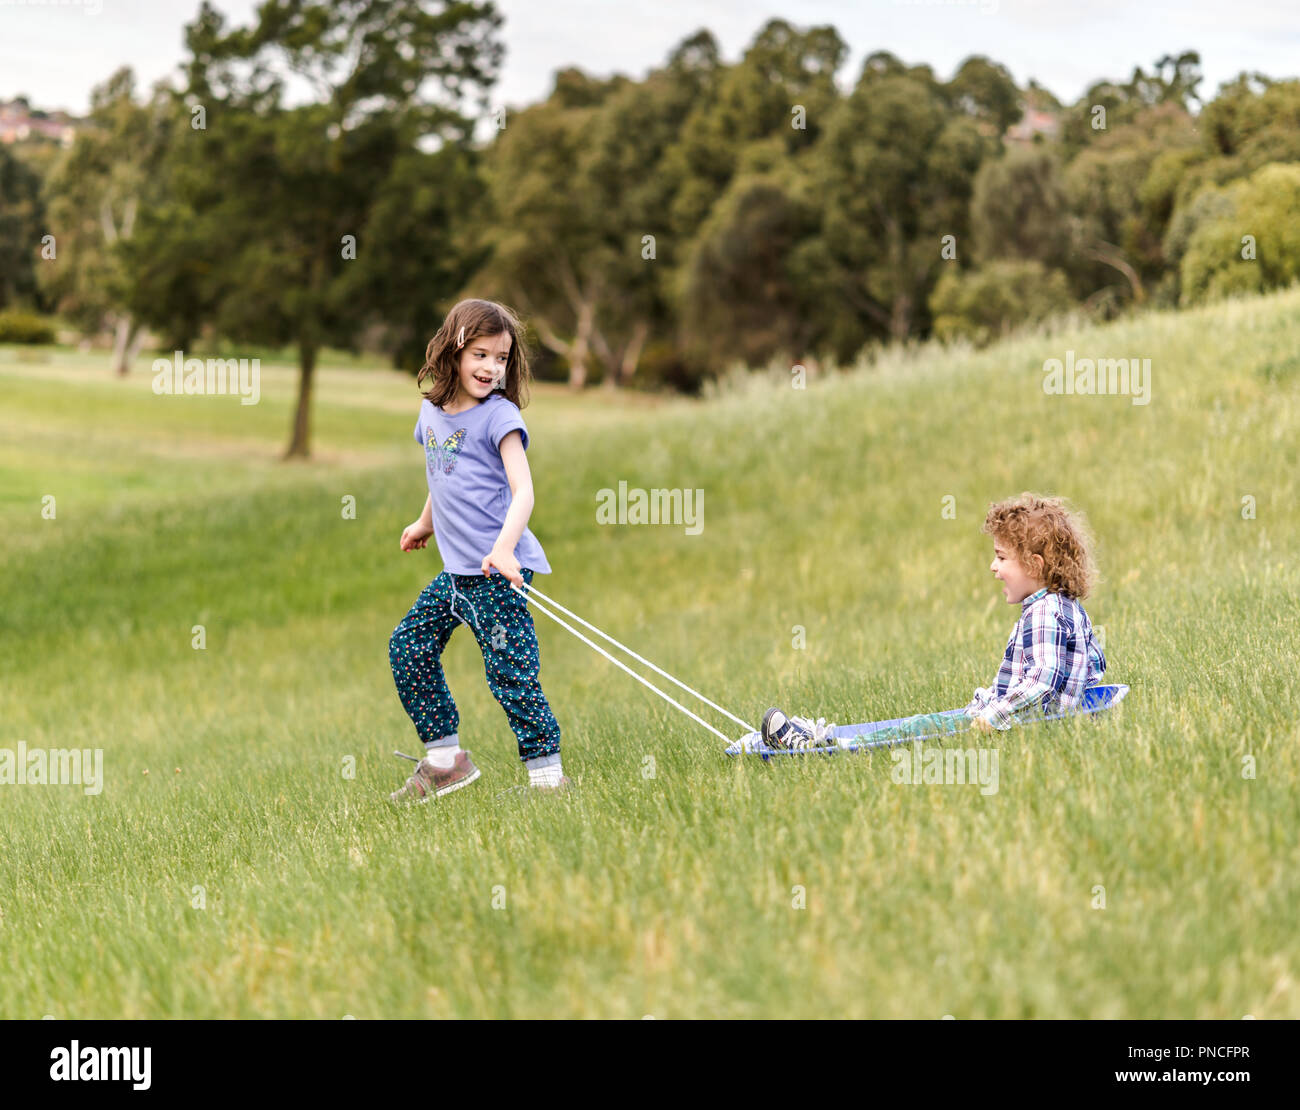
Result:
[
  {"x": 1030, "y": 525},
  {"x": 466, "y": 322}
]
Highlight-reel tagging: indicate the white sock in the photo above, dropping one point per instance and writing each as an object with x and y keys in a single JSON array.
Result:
[
  {"x": 444, "y": 755},
  {"x": 548, "y": 775}
]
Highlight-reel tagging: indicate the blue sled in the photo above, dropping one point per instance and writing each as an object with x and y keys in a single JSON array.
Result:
[{"x": 857, "y": 738}]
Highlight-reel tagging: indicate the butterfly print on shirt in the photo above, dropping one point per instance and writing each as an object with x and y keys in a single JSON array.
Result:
[{"x": 442, "y": 457}]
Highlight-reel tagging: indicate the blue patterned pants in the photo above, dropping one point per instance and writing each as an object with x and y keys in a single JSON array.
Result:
[{"x": 503, "y": 627}]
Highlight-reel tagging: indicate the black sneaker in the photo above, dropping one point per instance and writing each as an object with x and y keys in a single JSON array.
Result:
[{"x": 796, "y": 733}]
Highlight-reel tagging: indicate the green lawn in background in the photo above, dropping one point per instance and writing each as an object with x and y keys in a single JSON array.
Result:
[{"x": 242, "y": 859}]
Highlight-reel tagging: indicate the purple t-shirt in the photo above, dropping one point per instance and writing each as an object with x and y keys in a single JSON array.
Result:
[{"x": 468, "y": 484}]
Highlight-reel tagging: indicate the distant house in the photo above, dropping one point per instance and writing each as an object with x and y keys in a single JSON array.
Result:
[
  {"x": 20, "y": 124},
  {"x": 1033, "y": 123}
]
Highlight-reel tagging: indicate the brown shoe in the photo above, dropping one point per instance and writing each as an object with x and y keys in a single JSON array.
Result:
[{"x": 428, "y": 781}]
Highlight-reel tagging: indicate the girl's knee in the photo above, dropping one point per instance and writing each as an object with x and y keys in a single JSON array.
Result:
[
  {"x": 512, "y": 675},
  {"x": 405, "y": 641}
]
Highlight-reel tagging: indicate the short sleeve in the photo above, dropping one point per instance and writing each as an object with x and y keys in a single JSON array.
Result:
[
  {"x": 505, "y": 420},
  {"x": 419, "y": 431}
]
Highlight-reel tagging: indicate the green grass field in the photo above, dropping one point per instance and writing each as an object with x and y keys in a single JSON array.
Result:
[{"x": 232, "y": 868}]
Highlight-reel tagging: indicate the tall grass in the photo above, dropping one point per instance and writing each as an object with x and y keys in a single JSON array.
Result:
[{"x": 231, "y": 867}]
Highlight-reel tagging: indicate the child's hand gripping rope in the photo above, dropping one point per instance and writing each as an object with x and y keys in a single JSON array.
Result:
[{"x": 505, "y": 562}]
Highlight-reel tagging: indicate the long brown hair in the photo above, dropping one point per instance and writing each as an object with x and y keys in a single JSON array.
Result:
[{"x": 442, "y": 356}]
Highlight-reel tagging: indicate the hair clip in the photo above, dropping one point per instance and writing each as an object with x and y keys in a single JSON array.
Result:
[{"x": 460, "y": 340}]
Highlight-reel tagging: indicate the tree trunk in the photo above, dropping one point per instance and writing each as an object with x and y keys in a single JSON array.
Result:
[
  {"x": 900, "y": 319},
  {"x": 126, "y": 344},
  {"x": 124, "y": 351},
  {"x": 133, "y": 351},
  {"x": 622, "y": 373},
  {"x": 576, "y": 352},
  {"x": 300, "y": 445},
  {"x": 581, "y": 347}
]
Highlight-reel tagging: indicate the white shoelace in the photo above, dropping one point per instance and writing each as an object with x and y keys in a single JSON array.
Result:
[{"x": 812, "y": 734}]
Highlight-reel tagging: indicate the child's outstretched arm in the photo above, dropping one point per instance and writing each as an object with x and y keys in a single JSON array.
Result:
[
  {"x": 417, "y": 533},
  {"x": 502, "y": 555}
]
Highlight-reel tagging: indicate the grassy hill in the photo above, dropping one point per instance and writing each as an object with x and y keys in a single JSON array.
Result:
[{"x": 231, "y": 867}]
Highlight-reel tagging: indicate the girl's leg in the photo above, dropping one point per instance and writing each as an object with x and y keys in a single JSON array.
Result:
[
  {"x": 503, "y": 627},
  {"x": 415, "y": 653}
]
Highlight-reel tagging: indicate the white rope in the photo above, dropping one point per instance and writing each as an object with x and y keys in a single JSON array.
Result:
[
  {"x": 551, "y": 601},
  {"x": 619, "y": 663}
]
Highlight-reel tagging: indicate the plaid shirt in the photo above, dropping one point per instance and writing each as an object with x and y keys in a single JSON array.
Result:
[{"x": 1051, "y": 659}]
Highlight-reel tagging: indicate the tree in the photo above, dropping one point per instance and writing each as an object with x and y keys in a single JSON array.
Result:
[
  {"x": 784, "y": 86},
  {"x": 22, "y": 223},
  {"x": 547, "y": 255},
  {"x": 627, "y": 141},
  {"x": 1252, "y": 122},
  {"x": 751, "y": 283},
  {"x": 1120, "y": 213},
  {"x": 422, "y": 246},
  {"x": 1019, "y": 209},
  {"x": 986, "y": 302},
  {"x": 1173, "y": 82},
  {"x": 290, "y": 192},
  {"x": 893, "y": 175},
  {"x": 986, "y": 91},
  {"x": 172, "y": 265},
  {"x": 1243, "y": 238},
  {"x": 590, "y": 261},
  {"x": 110, "y": 176},
  {"x": 599, "y": 264}
]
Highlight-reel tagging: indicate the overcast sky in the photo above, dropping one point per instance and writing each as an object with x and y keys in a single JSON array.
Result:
[{"x": 55, "y": 51}]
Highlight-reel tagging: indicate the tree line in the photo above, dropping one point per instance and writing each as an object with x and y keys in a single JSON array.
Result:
[{"x": 652, "y": 231}]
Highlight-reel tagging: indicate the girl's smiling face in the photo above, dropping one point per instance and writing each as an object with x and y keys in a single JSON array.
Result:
[
  {"x": 1017, "y": 582},
  {"x": 483, "y": 365}
]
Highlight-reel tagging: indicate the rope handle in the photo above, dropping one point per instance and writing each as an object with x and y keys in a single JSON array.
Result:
[{"x": 532, "y": 597}]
